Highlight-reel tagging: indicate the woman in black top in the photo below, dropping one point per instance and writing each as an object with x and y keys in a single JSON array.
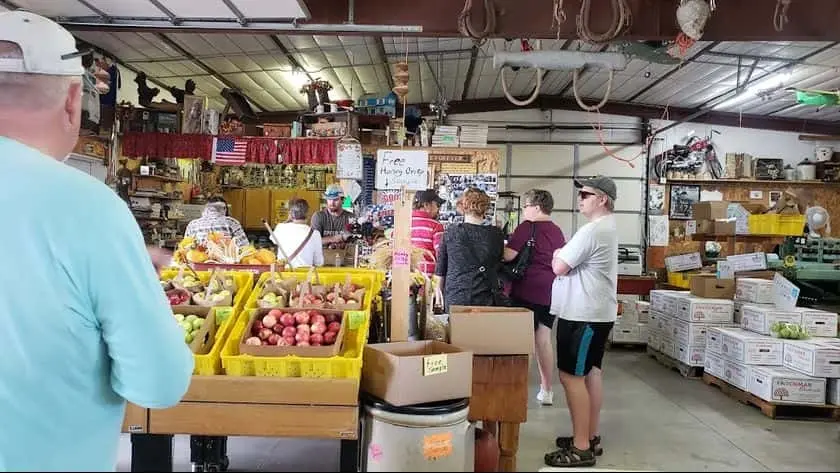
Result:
[{"x": 469, "y": 256}]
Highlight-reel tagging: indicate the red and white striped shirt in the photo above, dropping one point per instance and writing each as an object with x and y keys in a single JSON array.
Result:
[{"x": 426, "y": 233}]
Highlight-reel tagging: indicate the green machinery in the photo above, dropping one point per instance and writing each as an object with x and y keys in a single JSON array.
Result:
[{"x": 813, "y": 264}]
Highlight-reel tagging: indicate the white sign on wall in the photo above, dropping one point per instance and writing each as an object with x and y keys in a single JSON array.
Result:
[
  {"x": 396, "y": 168},
  {"x": 349, "y": 163}
]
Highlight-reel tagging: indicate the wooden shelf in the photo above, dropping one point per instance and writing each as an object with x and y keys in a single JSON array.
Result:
[
  {"x": 735, "y": 182},
  {"x": 161, "y": 197},
  {"x": 739, "y": 238},
  {"x": 161, "y": 178}
]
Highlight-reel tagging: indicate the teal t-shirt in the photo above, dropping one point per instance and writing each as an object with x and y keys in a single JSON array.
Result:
[{"x": 84, "y": 323}]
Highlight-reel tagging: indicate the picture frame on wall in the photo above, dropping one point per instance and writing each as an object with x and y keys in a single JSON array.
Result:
[{"x": 681, "y": 202}]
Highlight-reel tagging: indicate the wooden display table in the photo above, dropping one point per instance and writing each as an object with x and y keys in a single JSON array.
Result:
[
  {"x": 500, "y": 401},
  {"x": 220, "y": 406},
  {"x": 636, "y": 285}
]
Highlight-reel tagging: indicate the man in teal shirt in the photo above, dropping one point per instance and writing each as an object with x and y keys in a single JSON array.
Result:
[{"x": 84, "y": 323}]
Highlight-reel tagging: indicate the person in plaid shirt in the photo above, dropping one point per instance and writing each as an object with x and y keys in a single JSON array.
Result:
[{"x": 215, "y": 219}]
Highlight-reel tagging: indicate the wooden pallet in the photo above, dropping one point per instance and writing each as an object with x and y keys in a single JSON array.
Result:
[
  {"x": 771, "y": 409},
  {"x": 684, "y": 369}
]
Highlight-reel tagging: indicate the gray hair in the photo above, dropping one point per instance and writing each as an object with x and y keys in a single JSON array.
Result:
[
  {"x": 542, "y": 199},
  {"x": 609, "y": 204},
  {"x": 298, "y": 208},
  {"x": 30, "y": 91}
]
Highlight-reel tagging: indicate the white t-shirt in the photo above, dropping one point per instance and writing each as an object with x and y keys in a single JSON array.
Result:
[
  {"x": 587, "y": 293},
  {"x": 291, "y": 236}
]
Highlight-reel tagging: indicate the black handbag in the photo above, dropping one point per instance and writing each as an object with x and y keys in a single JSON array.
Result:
[{"x": 515, "y": 270}]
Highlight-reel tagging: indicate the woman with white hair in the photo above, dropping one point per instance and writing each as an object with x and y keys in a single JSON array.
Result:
[
  {"x": 215, "y": 218},
  {"x": 299, "y": 241}
]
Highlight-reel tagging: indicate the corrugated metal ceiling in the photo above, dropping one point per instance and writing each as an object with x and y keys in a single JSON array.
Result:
[{"x": 263, "y": 66}]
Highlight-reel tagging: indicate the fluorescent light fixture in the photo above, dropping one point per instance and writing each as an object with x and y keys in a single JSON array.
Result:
[{"x": 774, "y": 81}]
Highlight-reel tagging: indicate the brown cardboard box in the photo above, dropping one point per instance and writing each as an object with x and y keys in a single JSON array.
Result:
[
  {"x": 710, "y": 287},
  {"x": 408, "y": 373},
  {"x": 710, "y": 210},
  {"x": 492, "y": 330},
  {"x": 716, "y": 227},
  {"x": 325, "y": 351},
  {"x": 203, "y": 340}
]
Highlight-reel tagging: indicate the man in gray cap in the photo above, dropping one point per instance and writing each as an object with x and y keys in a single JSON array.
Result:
[
  {"x": 86, "y": 325},
  {"x": 584, "y": 300}
]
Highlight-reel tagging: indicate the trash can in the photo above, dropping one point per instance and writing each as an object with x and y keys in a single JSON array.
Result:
[{"x": 425, "y": 437}]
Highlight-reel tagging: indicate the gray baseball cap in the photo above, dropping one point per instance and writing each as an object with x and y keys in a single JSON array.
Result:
[{"x": 601, "y": 183}]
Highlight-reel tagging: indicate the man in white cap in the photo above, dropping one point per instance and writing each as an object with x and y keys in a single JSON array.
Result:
[
  {"x": 85, "y": 323},
  {"x": 584, "y": 300}
]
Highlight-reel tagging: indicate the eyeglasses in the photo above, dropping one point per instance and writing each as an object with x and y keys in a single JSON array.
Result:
[{"x": 584, "y": 194}]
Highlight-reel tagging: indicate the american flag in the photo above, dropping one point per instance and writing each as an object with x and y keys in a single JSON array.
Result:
[{"x": 229, "y": 151}]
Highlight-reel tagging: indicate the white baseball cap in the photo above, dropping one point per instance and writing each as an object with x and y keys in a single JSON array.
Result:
[{"x": 47, "y": 47}]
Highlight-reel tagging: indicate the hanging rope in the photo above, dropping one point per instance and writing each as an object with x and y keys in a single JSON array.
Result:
[
  {"x": 558, "y": 16},
  {"x": 622, "y": 18},
  {"x": 534, "y": 95},
  {"x": 780, "y": 18},
  {"x": 465, "y": 21},
  {"x": 591, "y": 108}
]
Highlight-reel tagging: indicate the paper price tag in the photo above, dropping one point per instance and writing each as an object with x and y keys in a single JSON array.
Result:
[
  {"x": 355, "y": 318},
  {"x": 437, "y": 445},
  {"x": 223, "y": 313},
  {"x": 435, "y": 364},
  {"x": 785, "y": 293},
  {"x": 401, "y": 259}
]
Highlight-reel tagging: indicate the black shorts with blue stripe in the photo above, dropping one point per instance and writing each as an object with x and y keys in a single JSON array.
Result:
[{"x": 581, "y": 345}]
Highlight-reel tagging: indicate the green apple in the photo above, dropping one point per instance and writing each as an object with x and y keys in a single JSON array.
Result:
[
  {"x": 191, "y": 318},
  {"x": 197, "y": 323},
  {"x": 187, "y": 326},
  {"x": 188, "y": 337},
  {"x": 179, "y": 317}
]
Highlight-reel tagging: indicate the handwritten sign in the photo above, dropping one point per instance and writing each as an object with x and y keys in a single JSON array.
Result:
[
  {"x": 396, "y": 168},
  {"x": 437, "y": 445},
  {"x": 785, "y": 293},
  {"x": 401, "y": 259},
  {"x": 435, "y": 364},
  {"x": 356, "y": 317},
  {"x": 348, "y": 161},
  {"x": 223, "y": 313}
]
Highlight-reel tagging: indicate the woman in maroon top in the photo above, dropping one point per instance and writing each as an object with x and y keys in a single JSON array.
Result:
[{"x": 533, "y": 291}]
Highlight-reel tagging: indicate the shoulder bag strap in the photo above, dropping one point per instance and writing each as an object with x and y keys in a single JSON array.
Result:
[{"x": 302, "y": 245}]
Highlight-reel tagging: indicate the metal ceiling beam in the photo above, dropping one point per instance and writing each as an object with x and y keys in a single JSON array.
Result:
[
  {"x": 470, "y": 70},
  {"x": 105, "y": 17},
  {"x": 294, "y": 62},
  {"x": 673, "y": 71},
  {"x": 173, "y": 18},
  {"x": 207, "y": 69},
  {"x": 236, "y": 11},
  {"x": 383, "y": 57}
]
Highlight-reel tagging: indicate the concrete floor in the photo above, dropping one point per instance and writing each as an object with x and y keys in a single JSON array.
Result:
[{"x": 653, "y": 419}]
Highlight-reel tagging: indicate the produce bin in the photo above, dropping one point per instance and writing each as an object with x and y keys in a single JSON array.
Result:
[
  {"x": 244, "y": 280},
  {"x": 367, "y": 281},
  {"x": 426, "y": 437},
  {"x": 346, "y": 365}
]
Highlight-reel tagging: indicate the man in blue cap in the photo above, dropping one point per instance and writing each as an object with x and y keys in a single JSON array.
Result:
[{"x": 332, "y": 221}]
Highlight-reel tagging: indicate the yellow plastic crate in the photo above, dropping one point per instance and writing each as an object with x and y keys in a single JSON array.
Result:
[
  {"x": 366, "y": 281},
  {"x": 346, "y": 365},
  {"x": 775, "y": 224},
  {"x": 211, "y": 363},
  {"x": 679, "y": 279},
  {"x": 379, "y": 276},
  {"x": 244, "y": 281}
]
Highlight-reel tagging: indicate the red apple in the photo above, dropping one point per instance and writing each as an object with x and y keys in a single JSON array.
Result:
[
  {"x": 269, "y": 321},
  {"x": 302, "y": 317},
  {"x": 273, "y": 338},
  {"x": 334, "y": 327},
  {"x": 278, "y": 328},
  {"x": 331, "y": 318},
  {"x": 316, "y": 339},
  {"x": 283, "y": 342},
  {"x": 318, "y": 327},
  {"x": 265, "y": 333},
  {"x": 315, "y": 318},
  {"x": 253, "y": 341},
  {"x": 330, "y": 337},
  {"x": 303, "y": 328},
  {"x": 302, "y": 337},
  {"x": 258, "y": 325},
  {"x": 289, "y": 332},
  {"x": 287, "y": 319},
  {"x": 303, "y": 344},
  {"x": 276, "y": 313},
  {"x": 290, "y": 341}
]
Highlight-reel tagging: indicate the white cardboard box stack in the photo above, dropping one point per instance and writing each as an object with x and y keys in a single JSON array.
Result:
[
  {"x": 776, "y": 370},
  {"x": 633, "y": 322}
]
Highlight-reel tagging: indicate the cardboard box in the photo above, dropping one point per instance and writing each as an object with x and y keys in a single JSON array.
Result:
[
  {"x": 665, "y": 300},
  {"x": 627, "y": 333},
  {"x": 696, "y": 309},
  {"x": 738, "y": 307},
  {"x": 709, "y": 286},
  {"x": 716, "y": 227},
  {"x": 643, "y": 311},
  {"x": 759, "y": 319},
  {"x": 813, "y": 357},
  {"x": 654, "y": 338},
  {"x": 710, "y": 210},
  {"x": 748, "y": 262},
  {"x": 692, "y": 356},
  {"x": 691, "y": 333},
  {"x": 714, "y": 340},
  {"x": 818, "y": 323},
  {"x": 685, "y": 262},
  {"x": 834, "y": 391},
  {"x": 492, "y": 330},
  {"x": 713, "y": 364},
  {"x": 668, "y": 347},
  {"x": 755, "y": 290},
  {"x": 736, "y": 374},
  {"x": 662, "y": 323},
  {"x": 325, "y": 351},
  {"x": 408, "y": 373},
  {"x": 204, "y": 338},
  {"x": 782, "y": 385},
  {"x": 750, "y": 348}
]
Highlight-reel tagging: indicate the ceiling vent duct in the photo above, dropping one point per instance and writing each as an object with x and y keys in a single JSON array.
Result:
[{"x": 559, "y": 60}]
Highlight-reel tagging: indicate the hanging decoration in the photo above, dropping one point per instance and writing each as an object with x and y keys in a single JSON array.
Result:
[{"x": 401, "y": 80}]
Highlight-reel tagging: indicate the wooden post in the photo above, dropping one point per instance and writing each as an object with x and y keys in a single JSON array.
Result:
[{"x": 401, "y": 267}]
